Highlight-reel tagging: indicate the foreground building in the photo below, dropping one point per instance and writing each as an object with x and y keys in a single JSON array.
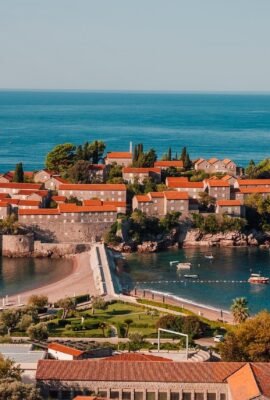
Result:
[
  {"x": 131, "y": 174},
  {"x": 122, "y": 158},
  {"x": 104, "y": 192},
  {"x": 214, "y": 165},
  {"x": 154, "y": 380}
]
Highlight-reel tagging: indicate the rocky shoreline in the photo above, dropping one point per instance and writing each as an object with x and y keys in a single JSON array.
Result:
[{"x": 195, "y": 238}]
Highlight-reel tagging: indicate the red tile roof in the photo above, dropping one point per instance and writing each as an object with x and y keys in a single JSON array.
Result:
[
  {"x": 156, "y": 195},
  {"x": 243, "y": 385},
  {"x": 136, "y": 357},
  {"x": 251, "y": 182},
  {"x": 42, "y": 193},
  {"x": 132, "y": 170},
  {"x": 257, "y": 189},
  {"x": 73, "y": 208},
  {"x": 59, "y": 198},
  {"x": 143, "y": 198},
  {"x": 3, "y": 204},
  {"x": 261, "y": 372},
  {"x": 11, "y": 201},
  {"x": 177, "y": 179},
  {"x": 172, "y": 163},
  {"x": 119, "y": 154},
  {"x": 212, "y": 160},
  {"x": 15, "y": 185},
  {"x": 136, "y": 371},
  {"x": 92, "y": 202},
  {"x": 217, "y": 183},
  {"x": 227, "y": 161},
  {"x": 183, "y": 184},
  {"x": 39, "y": 211},
  {"x": 228, "y": 203},
  {"x": 114, "y": 203},
  {"x": 3, "y": 195},
  {"x": 173, "y": 195},
  {"x": 93, "y": 186},
  {"x": 29, "y": 202},
  {"x": 10, "y": 174},
  {"x": 65, "y": 349}
]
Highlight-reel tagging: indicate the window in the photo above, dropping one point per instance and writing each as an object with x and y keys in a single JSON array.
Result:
[
  {"x": 114, "y": 394},
  {"x": 199, "y": 396},
  {"x": 126, "y": 395},
  {"x": 186, "y": 396},
  {"x": 223, "y": 396},
  {"x": 211, "y": 396},
  {"x": 162, "y": 396},
  {"x": 174, "y": 396},
  {"x": 150, "y": 395},
  {"x": 102, "y": 393},
  {"x": 53, "y": 394},
  {"x": 138, "y": 396}
]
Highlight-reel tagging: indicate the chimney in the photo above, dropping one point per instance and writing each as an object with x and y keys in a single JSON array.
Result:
[{"x": 130, "y": 147}]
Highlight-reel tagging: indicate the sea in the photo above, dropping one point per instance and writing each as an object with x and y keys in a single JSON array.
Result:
[
  {"x": 224, "y": 125},
  {"x": 210, "y": 125}
]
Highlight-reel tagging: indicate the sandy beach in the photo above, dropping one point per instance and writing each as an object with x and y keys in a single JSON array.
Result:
[
  {"x": 80, "y": 281},
  {"x": 208, "y": 312}
]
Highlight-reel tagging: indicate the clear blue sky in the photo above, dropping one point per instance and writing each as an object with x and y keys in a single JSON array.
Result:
[{"x": 198, "y": 45}]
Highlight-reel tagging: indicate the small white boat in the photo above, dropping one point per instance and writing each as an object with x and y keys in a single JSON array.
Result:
[
  {"x": 183, "y": 265},
  {"x": 195, "y": 276},
  {"x": 257, "y": 278},
  {"x": 209, "y": 256}
]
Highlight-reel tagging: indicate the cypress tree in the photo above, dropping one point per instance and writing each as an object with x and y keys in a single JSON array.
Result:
[
  {"x": 183, "y": 154},
  {"x": 18, "y": 174},
  {"x": 79, "y": 153},
  {"x": 169, "y": 154}
]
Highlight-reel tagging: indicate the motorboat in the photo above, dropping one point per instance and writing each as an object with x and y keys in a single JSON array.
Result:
[
  {"x": 185, "y": 265},
  {"x": 257, "y": 278},
  {"x": 195, "y": 276},
  {"x": 173, "y": 262},
  {"x": 209, "y": 256}
]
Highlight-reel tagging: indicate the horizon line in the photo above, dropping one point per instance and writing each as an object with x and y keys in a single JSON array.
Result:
[{"x": 138, "y": 91}]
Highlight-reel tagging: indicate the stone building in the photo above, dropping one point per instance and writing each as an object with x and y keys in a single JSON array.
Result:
[
  {"x": 68, "y": 222},
  {"x": 252, "y": 183},
  {"x": 121, "y": 206},
  {"x": 97, "y": 173},
  {"x": 214, "y": 165},
  {"x": 243, "y": 192},
  {"x": 184, "y": 185},
  {"x": 160, "y": 203},
  {"x": 154, "y": 380},
  {"x": 62, "y": 352},
  {"x": 44, "y": 175},
  {"x": 13, "y": 188},
  {"x": 54, "y": 182},
  {"x": 123, "y": 158},
  {"x": 9, "y": 176},
  {"x": 5, "y": 209},
  {"x": 130, "y": 174},
  {"x": 104, "y": 192},
  {"x": 218, "y": 188},
  {"x": 233, "y": 208}
]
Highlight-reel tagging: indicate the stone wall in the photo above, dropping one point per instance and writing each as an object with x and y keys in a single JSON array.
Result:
[
  {"x": 56, "y": 250},
  {"x": 58, "y": 232},
  {"x": 17, "y": 245}
]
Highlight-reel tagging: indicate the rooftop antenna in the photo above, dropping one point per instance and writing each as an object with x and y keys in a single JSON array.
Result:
[{"x": 130, "y": 147}]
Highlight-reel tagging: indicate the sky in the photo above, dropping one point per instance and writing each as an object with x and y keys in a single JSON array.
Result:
[{"x": 159, "y": 45}]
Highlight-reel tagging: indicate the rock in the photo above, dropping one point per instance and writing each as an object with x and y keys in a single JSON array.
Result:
[
  {"x": 226, "y": 243},
  {"x": 148, "y": 247}
]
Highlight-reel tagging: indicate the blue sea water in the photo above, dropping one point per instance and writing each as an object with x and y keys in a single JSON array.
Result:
[{"x": 223, "y": 125}]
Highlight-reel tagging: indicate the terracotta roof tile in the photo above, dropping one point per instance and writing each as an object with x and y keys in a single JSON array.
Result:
[
  {"x": 29, "y": 202},
  {"x": 15, "y": 185},
  {"x": 136, "y": 357},
  {"x": 73, "y": 208},
  {"x": 143, "y": 198},
  {"x": 3, "y": 195},
  {"x": 139, "y": 371},
  {"x": 217, "y": 183},
  {"x": 172, "y": 163},
  {"x": 93, "y": 186},
  {"x": 226, "y": 161},
  {"x": 119, "y": 154},
  {"x": 173, "y": 195},
  {"x": 185, "y": 185},
  {"x": 114, "y": 203},
  {"x": 65, "y": 349},
  {"x": 92, "y": 202},
  {"x": 243, "y": 385},
  {"x": 42, "y": 193},
  {"x": 228, "y": 203},
  {"x": 212, "y": 160},
  {"x": 256, "y": 189},
  {"x": 39, "y": 211},
  {"x": 251, "y": 182},
  {"x": 261, "y": 372},
  {"x": 59, "y": 198},
  {"x": 156, "y": 195},
  {"x": 3, "y": 204}
]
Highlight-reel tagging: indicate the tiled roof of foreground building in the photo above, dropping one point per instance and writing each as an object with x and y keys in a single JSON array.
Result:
[{"x": 246, "y": 380}]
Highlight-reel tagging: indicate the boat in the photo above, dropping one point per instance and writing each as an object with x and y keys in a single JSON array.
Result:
[
  {"x": 186, "y": 265},
  {"x": 257, "y": 278},
  {"x": 209, "y": 256},
  {"x": 173, "y": 262},
  {"x": 195, "y": 276}
]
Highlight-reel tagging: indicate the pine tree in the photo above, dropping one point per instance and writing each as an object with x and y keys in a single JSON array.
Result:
[
  {"x": 18, "y": 174},
  {"x": 79, "y": 153},
  {"x": 169, "y": 154},
  {"x": 183, "y": 154},
  {"x": 187, "y": 162}
]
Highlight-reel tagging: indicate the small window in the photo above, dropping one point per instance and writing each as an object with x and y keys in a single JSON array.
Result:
[
  {"x": 114, "y": 394},
  {"x": 150, "y": 396},
  {"x": 186, "y": 396},
  {"x": 126, "y": 395},
  {"x": 162, "y": 396},
  {"x": 174, "y": 396},
  {"x": 211, "y": 396},
  {"x": 199, "y": 396},
  {"x": 223, "y": 396}
]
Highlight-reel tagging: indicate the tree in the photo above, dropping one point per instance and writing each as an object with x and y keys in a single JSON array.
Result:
[
  {"x": 79, "y": 172},
  {"x": 38, "y": 301},
  {"x": 187, "y": 162},
  {"x": 171, "y": 220},
  {"x": 15, "y": 390},
  {"x": 18, "y": 174},
  {"x": 67, "y": 304},
  {"x": 128, "y": 322},
  {"x": 240, "y": 309},
  {"x": 74, "y": 200},
  {"x": 61, "y": 157},
  {"x": 9, "y": 225},
  {"x": 25, "y": 322},
  {"x": 10, "y": 318},
  {"x": 183, "y": 154},
  {"x": 98, "y": 303},
  {"x": 135, "y": 340},
  {"x": 38, "y": 331},
  {"x": 114, "y": 172},
  {"x": 103, "y": 326},
  {"x": 8, "y": 369},
  {"x": 149, "y": 185},
  {"x": 96, "y": 150},
  {"x": 248, "y": 341}
]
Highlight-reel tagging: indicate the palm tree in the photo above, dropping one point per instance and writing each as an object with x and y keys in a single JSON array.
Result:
[
  {"x": 240, "y": 309},
  {"x": 128, "y": 322}
]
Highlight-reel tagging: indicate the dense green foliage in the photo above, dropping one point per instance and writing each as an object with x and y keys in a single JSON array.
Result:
[
  {"x": 260, "y": 170},
  {"x": 142, "y": 158},
  {"x": 249, "y": 341},
  {"x": 190, "y": 325},
  {"x": 213, "y": 224},
  {"x": 258, "y": 211},
  {"x": 9, "y": 225}
]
